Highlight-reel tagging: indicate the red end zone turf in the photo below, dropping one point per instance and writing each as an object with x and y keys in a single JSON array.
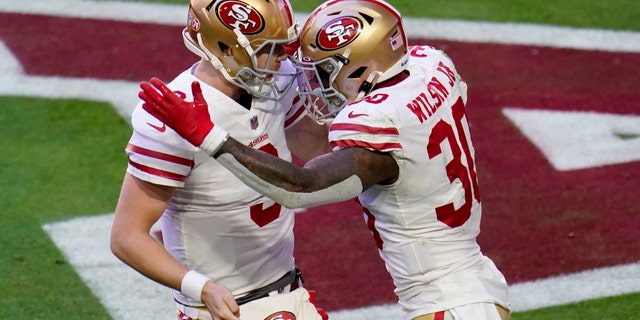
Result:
[{"x": 537, "y": 221}]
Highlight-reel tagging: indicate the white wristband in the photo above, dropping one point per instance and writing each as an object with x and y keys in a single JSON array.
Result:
[
  {"x": 192, "y": 285},
  {"x": 214, "y": 140}
]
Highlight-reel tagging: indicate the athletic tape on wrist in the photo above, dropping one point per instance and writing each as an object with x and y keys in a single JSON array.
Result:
[
  {"x": 214, "y": 140},
  {"x": 192, "y": 285}
]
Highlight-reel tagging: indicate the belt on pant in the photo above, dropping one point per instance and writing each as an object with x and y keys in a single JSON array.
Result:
[{"x": 289, "y": 282}]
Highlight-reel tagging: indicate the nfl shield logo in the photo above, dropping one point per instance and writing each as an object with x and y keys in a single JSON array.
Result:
[{"x": 254, "y": 123}]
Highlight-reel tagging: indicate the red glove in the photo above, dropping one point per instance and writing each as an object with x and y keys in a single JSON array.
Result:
[{"x": 190, "y": 120}]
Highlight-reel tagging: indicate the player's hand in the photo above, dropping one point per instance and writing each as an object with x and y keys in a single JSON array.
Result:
[
  {"x": 220, "y": 302},
  {"x": 191, "y": 120}
]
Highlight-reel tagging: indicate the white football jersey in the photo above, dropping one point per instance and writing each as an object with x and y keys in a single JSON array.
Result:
[
  {"x": 426, "y": 223},
  {"x": 214, "y": 223}
]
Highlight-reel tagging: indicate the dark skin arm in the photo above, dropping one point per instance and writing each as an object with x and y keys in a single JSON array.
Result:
[
  {"x": 193, "y": 122},
  {"x": 320, "y": 172}
]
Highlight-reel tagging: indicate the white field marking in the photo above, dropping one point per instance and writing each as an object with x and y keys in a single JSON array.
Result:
[
  {"x": 573, "y": 140},
  {"x": 84, "y": 242},
  {"x": 553, "y": 291},
  {"x": 125, "y": 294},
  {"x": 489, "y": 32},
  {"x": 122, "y": 95}
]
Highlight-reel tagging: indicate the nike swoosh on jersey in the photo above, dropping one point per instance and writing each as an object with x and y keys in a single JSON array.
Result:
[
  {"x": 352, "y": 115},
  {"x": 159, "y": 128}
]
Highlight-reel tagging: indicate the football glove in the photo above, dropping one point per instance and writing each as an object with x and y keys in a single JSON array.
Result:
[{"x": 191, "y": 120}]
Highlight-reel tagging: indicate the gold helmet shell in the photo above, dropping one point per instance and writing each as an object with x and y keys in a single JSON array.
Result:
[
  {"x": 352, "y": 44},
  {"x": 230, "y": 33}
]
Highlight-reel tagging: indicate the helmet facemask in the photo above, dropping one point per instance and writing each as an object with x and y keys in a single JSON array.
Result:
[
  {"x": 261, "y": 81},
  {"x": 346, "y": 48},
  {"x": 315, "y": 85},
  {"x": 243, "y": 40}
]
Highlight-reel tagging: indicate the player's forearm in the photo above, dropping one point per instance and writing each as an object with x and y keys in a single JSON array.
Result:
[
  {"x": 272, "y": 169},
  {"x": 285, "y": 183},
  {"x": 147, "y": 256}
]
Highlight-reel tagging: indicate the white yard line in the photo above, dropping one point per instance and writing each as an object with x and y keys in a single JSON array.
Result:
[{"x": 84, "y": 242}]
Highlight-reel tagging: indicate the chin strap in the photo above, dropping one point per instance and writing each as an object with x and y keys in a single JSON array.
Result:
[
  {"x": 368, "y": 84},
  {"x": 201, "y": 50},
  {"x": 341, "y": 191}
]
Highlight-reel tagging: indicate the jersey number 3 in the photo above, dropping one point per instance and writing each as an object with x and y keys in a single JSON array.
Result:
[
  {"x": 456, "y": 170},
  {"x": 259, "y": 214}
]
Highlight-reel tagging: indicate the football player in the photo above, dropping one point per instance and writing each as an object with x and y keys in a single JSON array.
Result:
[
  {"x": 401, "y": 144},
  {"x": 228, "y": 250}
]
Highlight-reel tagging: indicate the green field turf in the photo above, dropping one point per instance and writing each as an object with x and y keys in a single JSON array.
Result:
[
  {"x": 615, "y": 14},
  {"x": 64, "y": 158},
  {"x": 60, "y": 159}
]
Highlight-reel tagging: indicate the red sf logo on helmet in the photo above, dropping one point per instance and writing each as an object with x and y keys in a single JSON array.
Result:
[
  {"x": 338, "y": 33},
  {"x": 239, "y": 15},
  {"x": 281, "y": 315}
]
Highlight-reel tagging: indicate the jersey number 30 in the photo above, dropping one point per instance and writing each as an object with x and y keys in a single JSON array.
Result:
[{"x": 445, "y": 132}]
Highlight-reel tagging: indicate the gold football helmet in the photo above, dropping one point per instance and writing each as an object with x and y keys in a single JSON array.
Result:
[
  {"x": 346, "y": 48},
  {"x": 231, "y": 33}
]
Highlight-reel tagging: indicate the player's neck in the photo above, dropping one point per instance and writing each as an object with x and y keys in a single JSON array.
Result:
[{"x": 205, "y": 72}]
